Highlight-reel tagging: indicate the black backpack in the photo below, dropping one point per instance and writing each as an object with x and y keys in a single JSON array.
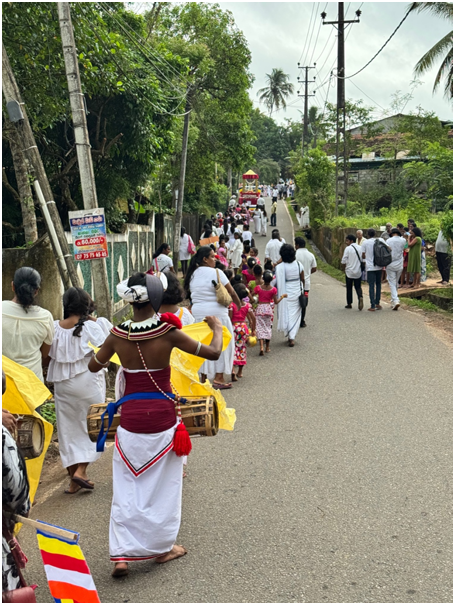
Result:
[{"x": 381, "y": 254}]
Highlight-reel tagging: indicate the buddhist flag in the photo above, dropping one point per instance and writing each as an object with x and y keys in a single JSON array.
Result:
[{"x": 68, "y": 575}]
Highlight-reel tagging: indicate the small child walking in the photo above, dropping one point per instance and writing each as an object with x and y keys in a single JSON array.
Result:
[
  {"x": 239, "y": 319},
  {"x": 267, "y": 296}
]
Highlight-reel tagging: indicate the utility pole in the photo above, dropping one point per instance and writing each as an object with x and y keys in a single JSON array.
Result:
[
  {"x": 341, "y": 100},
  {"x": 305, "y": 110},
  {"x": 83, "y": 150},
  {"x": 181, "y": 190},
  {"x": 18, "y": 116}
]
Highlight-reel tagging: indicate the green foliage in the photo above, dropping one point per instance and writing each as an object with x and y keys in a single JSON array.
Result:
[
  {"x": 326, "y": 268},
  {"x": 314, "y": 177},
  {"x": 268, "y": 170},
  {"x": 425, "y": 305},
  {"x": 47, "y": 411},
  {"x": 447, "y": 225}
]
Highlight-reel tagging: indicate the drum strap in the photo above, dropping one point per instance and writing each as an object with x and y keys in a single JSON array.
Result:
[{"x": 112, "y": 408}]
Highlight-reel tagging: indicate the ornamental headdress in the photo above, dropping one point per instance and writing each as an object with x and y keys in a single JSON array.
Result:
[{"x": 152, "y": 292}]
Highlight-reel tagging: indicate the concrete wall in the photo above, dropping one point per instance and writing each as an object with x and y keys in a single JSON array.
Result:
[
  {"x": 41, "y": 257},
  {"x": 129, "y": 252},
  {"x": 331, "y": 242}
]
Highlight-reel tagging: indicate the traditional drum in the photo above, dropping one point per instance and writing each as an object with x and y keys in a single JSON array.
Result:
[
  {"x": 95, "y": 411},
  {"x": 30, "y": 436},
  {"x": 199, "y": 415}
]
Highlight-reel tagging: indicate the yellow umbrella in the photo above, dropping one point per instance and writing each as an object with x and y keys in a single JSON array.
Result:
[
  {"x": 24, "y": 393},
  {"x": 184, "y": 372}
]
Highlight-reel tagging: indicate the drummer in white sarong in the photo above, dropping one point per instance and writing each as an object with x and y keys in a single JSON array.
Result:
[{"x": 147, "y": 472}]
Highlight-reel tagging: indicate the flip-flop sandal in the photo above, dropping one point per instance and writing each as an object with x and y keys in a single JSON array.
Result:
[
  {"x": 261, "y": 353},
  {"x": 83, "y": 483},
  {"x": 67, "y": 491},
  {"x": 221, "y": 386}
]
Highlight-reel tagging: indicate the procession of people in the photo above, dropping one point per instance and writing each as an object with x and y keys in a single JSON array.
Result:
[{"x": 226, "y": 285}]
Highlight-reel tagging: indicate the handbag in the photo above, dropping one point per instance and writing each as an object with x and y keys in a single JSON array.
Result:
[
  {"x": 24, "y": 594},
  {"x": 222, "y": 295},
  {"x": 191, "y": 246},
  {"x": 362, "y": 262}
]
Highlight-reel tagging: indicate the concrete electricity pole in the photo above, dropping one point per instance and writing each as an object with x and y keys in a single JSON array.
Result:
[
  {"x": 83, "y": 147},
  {"x": 341, "y": 104},
  {"x": 181, "y": 190},
  {"x": 19, "y": 120},
  {"x": 305, "y": 111}
]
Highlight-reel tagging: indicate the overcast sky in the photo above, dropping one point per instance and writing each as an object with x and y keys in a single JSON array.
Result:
[{"x": 276, "y": 34}]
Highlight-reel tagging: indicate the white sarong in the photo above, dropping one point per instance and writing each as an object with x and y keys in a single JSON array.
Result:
[
  {"x": 289, "y": 313},
  {"x": 147, "y": 495},
  {"x": 73, "y": 398}
]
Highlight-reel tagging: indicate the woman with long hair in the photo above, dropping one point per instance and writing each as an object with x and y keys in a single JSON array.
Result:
[
  {"x": 200, "y": 282},
  {"x": 75, "y": 388},
  {"x": 150, "y": 441},
  {"x": 27, "y": 329},
  {"x": 161, "y": 260},
  {"x": 290, "y": 280},
  {"x": 415, "y": 256}
]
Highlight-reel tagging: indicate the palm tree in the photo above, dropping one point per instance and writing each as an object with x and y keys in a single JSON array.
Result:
[
  {"x": 445, "y": 45},
  {"x": 276, "y": 92}
]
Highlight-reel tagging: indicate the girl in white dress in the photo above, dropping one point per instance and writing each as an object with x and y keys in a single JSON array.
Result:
[
  {"x": 235, "y": 252},
  {"x": 184, "y": 255},
  {"x": 264, "y": 221},
  {"x": 257, "y": 218},
  {"x": 75, "y": 388}
]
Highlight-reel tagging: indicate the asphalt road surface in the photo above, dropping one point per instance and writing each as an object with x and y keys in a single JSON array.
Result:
[{"x": 334, "y": 487}]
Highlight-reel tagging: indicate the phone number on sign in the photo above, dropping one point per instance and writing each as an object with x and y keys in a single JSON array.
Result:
[
  {"x": 90, "y": 241},
  {"x": 91, "y": 255}
]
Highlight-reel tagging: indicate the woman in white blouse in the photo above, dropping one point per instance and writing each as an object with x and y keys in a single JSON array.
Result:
[
  {"x": 200, "y": 282},
  {"x": 75, "y": 387},
  {"x": 161, "y": 259}
]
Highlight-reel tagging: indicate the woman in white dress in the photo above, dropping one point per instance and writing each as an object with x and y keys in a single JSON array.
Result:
[
  {"x": 264, "y": 221},
  {"x": 304, "y": 216},
  {"x": 200, "y": 282},
  {"x": 184, "y": 255},
  {"x": 290, "y": 280},
  {"x": 235, "y": 252},
  {"x": 75, "y": 388},
  {"x": 257, "y": 218}
]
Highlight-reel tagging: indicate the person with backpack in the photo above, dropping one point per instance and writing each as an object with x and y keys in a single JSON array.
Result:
[
  {"x": 353, "y": 268},
  {"x": 376, "y": 255}
]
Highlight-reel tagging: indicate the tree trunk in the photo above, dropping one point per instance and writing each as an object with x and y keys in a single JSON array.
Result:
[
  {"x": 24, "y": 130},
  {"x": 179, "y": 210},
  {"x": 229, "y": 181},
  {"x": 23, "y": 187}
]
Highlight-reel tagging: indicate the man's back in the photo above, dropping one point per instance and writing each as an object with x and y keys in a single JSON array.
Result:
[
  {"x": 272, "y": 250},
  {"x": 308, "y": 261}
]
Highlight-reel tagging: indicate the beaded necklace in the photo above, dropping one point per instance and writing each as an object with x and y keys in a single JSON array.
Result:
[{"x": 177, "y": 396}]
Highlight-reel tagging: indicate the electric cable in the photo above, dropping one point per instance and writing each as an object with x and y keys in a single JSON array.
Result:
[
  {"x": 308, "y": 32},
  {"x": 364, "y": 93},
  {"x": 382, "y": 47}
]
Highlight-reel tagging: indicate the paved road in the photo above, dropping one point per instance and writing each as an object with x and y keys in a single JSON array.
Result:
[{"x": 334, "y": 487}]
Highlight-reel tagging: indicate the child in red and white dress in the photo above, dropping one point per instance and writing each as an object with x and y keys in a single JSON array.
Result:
[
  {"x": 239, "y": 318},
  {"x": 267, "y": 298}
]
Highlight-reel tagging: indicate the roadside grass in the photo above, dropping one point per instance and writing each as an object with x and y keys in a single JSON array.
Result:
[{"x": 425, "y": 305}]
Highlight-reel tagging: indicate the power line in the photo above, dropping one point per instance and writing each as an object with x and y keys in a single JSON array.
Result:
[
  {"x": 316, "y": 41},
  {"x": 138, "y": 90},
  {"x": 141, "y": 48},
  {"x": 364, "y": 93},
  {"x": 382, "y": 47},
  {"x": 308, "y": 32},
  {"x": 311, "y": 36}
]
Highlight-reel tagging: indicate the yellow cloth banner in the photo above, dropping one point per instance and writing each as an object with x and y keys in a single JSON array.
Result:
[
  {"x": 24, "y": 393},
  {"x": 184, "y": 372}
]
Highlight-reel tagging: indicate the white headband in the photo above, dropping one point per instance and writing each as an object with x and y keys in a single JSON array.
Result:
[{"x": 137, "y": 293}]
